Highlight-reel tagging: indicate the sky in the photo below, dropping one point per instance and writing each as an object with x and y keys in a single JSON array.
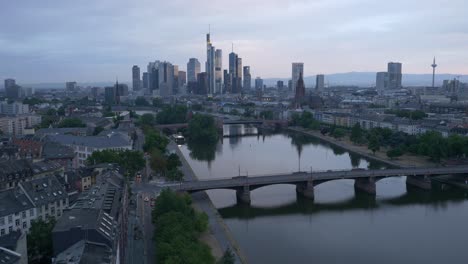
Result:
[{"x": 93, "y": 41}]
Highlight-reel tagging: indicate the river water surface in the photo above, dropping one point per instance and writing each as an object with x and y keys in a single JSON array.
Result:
[{"x": 398, "y": 225}]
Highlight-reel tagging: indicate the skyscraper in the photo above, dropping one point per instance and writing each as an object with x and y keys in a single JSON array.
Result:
[
  {"x": 193, "y": 69},
  {"x": 300, "y": 91},
  {"x": 202, "y": 83},
  {"x": 70, "y": 86},
  {"x": 145, "y": 80},
  {"x": 381, "y": 82},
  {"x": 182, "y": 78},
  {"x": 258, "y": 84},
  {"x": 210, "y": 65},
  {"x": 280, "y": 86},
  {"x": 166, "y": 79},
  {"x": 297, "y": 69},
  {"x": 12, "y": 90},
  {"x": 233, "y": 71},
  {"x": 153, "y": 76},
  {"x": 394, "y": 75},
  {"x": 136, "y": 83},
  {"x": 319, "y": 82},
  {"x": 227, "y": 82},
  {"x": 218, "y": 71},
  {"x": 247, "y": 79},
  {"x": 239, "y": 75}
]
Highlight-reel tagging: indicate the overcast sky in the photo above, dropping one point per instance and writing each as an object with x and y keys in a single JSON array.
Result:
[{"x": 55, "y": 41}]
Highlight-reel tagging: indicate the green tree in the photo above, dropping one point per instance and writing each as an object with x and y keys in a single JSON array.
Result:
[
  {"x": 130, "y": 160},
  {"x": 97, "y": 130},
  {"x": 173, "y": 161},
  {"x": 175, "y": 175},
  {"x": 147, "y": 119},
  {"x": 178, "y": 229},
  {"x": 202, "y": 128},
  {"x": 154, "y": 140},
  {"x": 158, "y": 162},
  {"x": 356, "y": 134},
  {"x": 39, "y": 241},
  {"x": 228, "y": 257},
  {"x": 374, "y": 144},
  {"x": 157, "y": 102},
  {"x": 338, "y": 133},
  {"x": 172, "y": 115},
  {"x": 71, "y": 122},
  {"x": 141, "y": 101},
  {"x": 394, "y": 153}
]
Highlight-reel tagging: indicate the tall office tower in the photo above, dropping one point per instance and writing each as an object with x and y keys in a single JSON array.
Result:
[
  {"x": 290, "y": 87},
  {"x": 136, "y": 83},
  {"x": 232, "y": 71},
  {"x": 247, "y": 79},
  {"x": 280, "y": 85},
  {"x": 210, "y": 65},
  {"x": 258, "y": 84},
  {"x": 12, "y": 91},
  {"x": 70, "y": 86},
  {"x": 300, "y": 91},
  {"x": 182, "y": 78},
  {"x": 145, "y": 80},
  {"x": 319, "y": 82},
  {"x": 193, "y": 69},
  {"x": 227, "y": 82},
  {"x": 202, "y": 83},
  {"x": 434, "y": 65},
  {"x": 153, "y": 76},
  {"x": 175, "y": 83},
  {"x": 166, "y": 79},
  {"x": 297, "y": 69},
  {"x": 394, "y": 75},
  {"x": 218, "y": 71},
  {"x": 381, "y": 82},
  {"x": 239, "y": 75}
]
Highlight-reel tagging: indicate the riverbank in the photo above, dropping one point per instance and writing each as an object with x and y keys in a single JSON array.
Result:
[
  {"x": 219, "y": 237},
  {"x": 404, "y": 161}
]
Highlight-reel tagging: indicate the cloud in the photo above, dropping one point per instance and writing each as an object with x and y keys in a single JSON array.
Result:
[{"x": 98, "y": 40}]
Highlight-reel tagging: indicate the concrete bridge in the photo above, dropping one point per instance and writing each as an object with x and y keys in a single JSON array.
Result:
[
  {"x": 305, "y": 181},
  {"x": 220, "y": 122}
]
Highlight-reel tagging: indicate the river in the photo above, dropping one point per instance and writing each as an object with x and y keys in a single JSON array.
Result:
[{"x": 399, "y": 225}]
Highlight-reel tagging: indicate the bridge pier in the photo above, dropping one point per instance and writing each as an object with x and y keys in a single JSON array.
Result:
[
  {"x": 423, "y": 182},
  {"x": 243, "y": 194},
  {"x": 366, "y": 185},
  {"x": 306, "y": 189}
]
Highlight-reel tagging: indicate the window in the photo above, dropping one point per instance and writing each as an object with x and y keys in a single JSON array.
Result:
[
  {"x": 2, "y": 220},
  {"x": 25, "y": 225},
  {"x": 10, "y": 219},
  {"x": 2, "y": 232},
  {"x": 17, "y": 222},
  {"x": 10, "y": 229},
  {"x": 23, "y": 214},
  {"x": 31, "y": 212}
]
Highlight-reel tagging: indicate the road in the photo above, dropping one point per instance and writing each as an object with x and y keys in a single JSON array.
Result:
[{"x": 144, "y": 250}]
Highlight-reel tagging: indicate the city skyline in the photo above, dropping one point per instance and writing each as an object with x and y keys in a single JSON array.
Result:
[{"x": 361, "y": 37}]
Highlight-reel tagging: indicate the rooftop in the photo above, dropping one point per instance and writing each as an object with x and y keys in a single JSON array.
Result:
[
  {"x": 85, "y": 252},
  {"x": 45, "y": 190},
  {"x": 113, "y": 141},
  {"x": 13, "y": 201},
  {"x": 55, "y": 150}
]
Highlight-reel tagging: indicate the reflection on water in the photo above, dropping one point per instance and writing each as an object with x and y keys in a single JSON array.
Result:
[{"x": 399, "y": 225}]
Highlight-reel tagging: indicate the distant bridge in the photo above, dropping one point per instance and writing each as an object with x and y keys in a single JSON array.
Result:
[
  {"x": 222, "y": 122},
  {"x": 364, "y": 180}
]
